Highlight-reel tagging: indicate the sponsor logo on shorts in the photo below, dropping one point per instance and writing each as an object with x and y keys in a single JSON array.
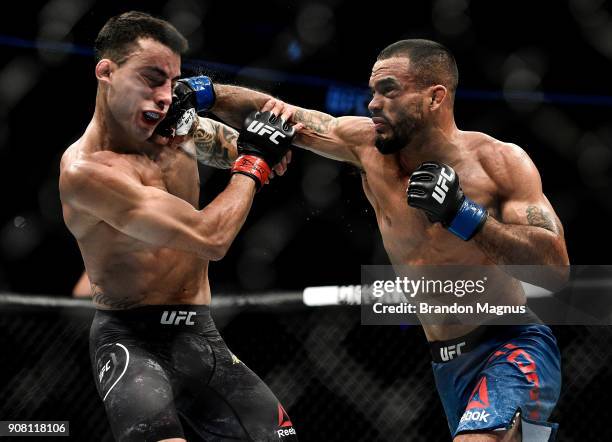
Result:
[
  {"x": 174, "y": 318},
  {"x": 284, "y": 423},
  {"x": 480, "y": 395},
  {"x": 105, "y": 368},
  {"x": 111, "y": 366},
  {"x": 451, "y": 351},
  {"x": 475, "y": 416},
  {"x": 478, "y": 399},
  {"x": 285, "y": 432}
]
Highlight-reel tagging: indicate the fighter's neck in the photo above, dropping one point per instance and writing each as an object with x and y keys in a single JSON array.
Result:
[
  {"x": 432, "y": 144},
  {"x": 101, "y": 134}
]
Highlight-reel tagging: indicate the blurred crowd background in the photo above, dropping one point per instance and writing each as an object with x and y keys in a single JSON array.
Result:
[{"x": 533, "y": 73}]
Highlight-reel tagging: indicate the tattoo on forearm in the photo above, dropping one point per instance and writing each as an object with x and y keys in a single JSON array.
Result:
[
  {"x": 537, "y": 217},
  {"x": 215, "y": 145},
  {"x": 114, "y": 302},
  {"x": 317, "y": 121}
]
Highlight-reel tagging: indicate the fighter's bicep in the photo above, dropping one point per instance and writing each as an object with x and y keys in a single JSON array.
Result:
[
  {"x": 525, "y": 203},
  {"x": 336, "y": 138},
  {"x": 119, "y": 199},
  {"x": 535, "y": 212},
  {"x": 519, "y": 186}
]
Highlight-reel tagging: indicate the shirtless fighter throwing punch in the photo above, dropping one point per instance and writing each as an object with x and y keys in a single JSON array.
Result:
[
  {"x": 494, "y": 212},
  {"x": 130, "y": 193}
]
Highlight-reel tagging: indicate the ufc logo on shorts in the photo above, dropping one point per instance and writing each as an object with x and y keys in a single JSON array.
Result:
[
  {"x": 441, "y": 188},
  {"x": 260, "y": 128},
  {"x": 105, "y": 368},
  {"x": 449, "y": 352},
  {"x": 175, "y": 318}
]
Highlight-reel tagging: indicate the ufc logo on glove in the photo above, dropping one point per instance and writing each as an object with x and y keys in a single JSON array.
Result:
[
  {"x": 439, "y": 193},
  {"x": 260, "y": 128}
]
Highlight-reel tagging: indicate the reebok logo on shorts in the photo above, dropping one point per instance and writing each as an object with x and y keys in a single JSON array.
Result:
[
  {"x": 284, "y": 423},
  {"x": 476, "y": 416},
  {"x": 478, "y": 399},
  {"x": 480, "y": 395}
]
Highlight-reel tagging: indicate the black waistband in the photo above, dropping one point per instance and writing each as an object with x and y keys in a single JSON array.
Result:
[
  {"x": 445, "y": 351},
  {"x": 175, "y": 317}
]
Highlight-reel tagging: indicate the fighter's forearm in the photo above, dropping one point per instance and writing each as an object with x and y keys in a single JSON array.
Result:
[
  {"x": 224, "y": 216},
  {"x": 215, "y": 143},
  {"x": 522, "y": 248},
  {"x": 515, "y": 244},
  {"x": 234, "y": 103}
]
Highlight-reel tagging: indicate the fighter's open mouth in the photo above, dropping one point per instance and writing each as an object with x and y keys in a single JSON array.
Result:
[{"x": 151, "y": 116}]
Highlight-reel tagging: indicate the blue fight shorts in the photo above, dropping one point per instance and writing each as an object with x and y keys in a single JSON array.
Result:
[{"x": 486, "y": 376}]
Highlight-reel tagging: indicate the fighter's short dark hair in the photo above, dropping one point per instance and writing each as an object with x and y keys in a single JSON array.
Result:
[
  {"x": 120, "y": 34},
  {"x": 430, "y": 62}
]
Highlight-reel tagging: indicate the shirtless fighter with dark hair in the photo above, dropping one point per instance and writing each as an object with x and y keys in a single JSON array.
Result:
[
  {"x": 494, "y": 212},
  {"x": 129, "y": 188}
]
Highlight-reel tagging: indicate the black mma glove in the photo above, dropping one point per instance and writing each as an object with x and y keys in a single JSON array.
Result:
[
  {"x": 262, "y": 143},
  {"x": 434, "y": 188},
  {"x": 189, "y": 96}
]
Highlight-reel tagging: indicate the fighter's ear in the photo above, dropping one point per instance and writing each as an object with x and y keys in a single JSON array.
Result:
[
  {"x": 438, "y": 94},
  {"x": 104, "y": 69}
]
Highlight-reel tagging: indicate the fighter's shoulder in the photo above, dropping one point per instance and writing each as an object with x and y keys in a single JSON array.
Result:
[
  {"x": 359, "y": 129},
  {"x": 358, "y": 133},
  {"x": 78, "y": 171},
  {"x": 507, "y": 164}
]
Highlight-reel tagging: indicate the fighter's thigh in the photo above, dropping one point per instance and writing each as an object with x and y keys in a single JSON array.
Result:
[
  {"x": 247, "y": 409},
  {"x": 136, "y": 392},
  {"x": 530, "y": 375},
  {"x": 257, "y": 406},
  {"x": 519, "y": 376}
]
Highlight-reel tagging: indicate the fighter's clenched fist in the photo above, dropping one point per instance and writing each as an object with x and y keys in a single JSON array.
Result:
[
  {"x": 262, "y": 144},
  {"x": 435, "y": 189},
  {"x": 189, "y": 96}
]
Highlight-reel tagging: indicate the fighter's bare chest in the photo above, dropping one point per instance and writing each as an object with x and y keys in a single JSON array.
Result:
[{"x": 405, "y": 229}]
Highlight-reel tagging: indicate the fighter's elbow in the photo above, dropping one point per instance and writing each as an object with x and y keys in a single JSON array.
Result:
[
  {"x": 560, "y": 255},
  {"x": 217, "y": 253},
  {"x": 215, "y": 248}
]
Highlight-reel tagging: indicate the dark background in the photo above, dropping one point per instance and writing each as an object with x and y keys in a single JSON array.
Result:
[{"x": 533, "y": 73}]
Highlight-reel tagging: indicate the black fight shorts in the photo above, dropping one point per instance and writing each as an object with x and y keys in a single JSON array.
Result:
[{"x": 164, "y": 372}]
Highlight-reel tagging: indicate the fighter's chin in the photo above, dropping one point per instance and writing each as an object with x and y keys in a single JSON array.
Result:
[
  {"x": 386, "y": 145},
  {"x": 144, "y": 133}
]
